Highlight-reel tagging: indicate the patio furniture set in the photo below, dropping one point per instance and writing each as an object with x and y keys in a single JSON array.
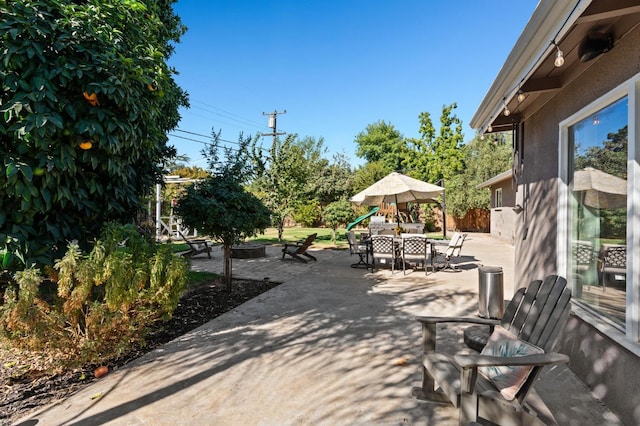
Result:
[{"x": 404, "y": 250}]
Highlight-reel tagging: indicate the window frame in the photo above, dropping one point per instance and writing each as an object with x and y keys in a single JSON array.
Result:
[
  {"x": 630, "y": 337},
  {"x": 498, "y": 198}
]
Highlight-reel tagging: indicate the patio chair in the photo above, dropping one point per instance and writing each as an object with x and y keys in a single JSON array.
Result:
[
  {"x": 358, "y": 248},
  {"x": 415, "y": 249},
  {"x": 612, "y": 261},
  {"x": 384, "y": 248},
  {"x": 453, "y": 250},
  {"x": 299, "y": 249},
  {"x": 582, "y": 254},
  {"x": 525, "y": 337},
  {"x": 196, "y": 246}
]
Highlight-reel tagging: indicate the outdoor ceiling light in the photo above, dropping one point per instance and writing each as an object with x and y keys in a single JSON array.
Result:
[
  {"x": 506, "y": 111},
  {"x": 521, "y": 96},
  {"x": 595, "y": 44},
  {"x": 559, "y": 61},
  {"x": 490, "y": 128}
]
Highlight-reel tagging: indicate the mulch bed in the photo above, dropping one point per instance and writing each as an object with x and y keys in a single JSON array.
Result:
[{"x": 21, "y": 392}]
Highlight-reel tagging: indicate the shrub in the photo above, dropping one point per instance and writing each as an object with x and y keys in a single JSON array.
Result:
[
  {"x": 338, "y": 213},
  {"x": 308, "y": 213},
  {"x": 104, "y": 302}
]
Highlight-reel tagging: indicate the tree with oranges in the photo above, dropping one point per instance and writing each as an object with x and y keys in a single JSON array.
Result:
[{"x": 86, "y": 101}]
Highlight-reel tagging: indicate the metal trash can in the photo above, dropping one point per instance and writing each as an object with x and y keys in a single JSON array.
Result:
[{"x": 491, "y": 292}]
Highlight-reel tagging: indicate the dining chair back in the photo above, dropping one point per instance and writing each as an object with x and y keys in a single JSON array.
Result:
[
  {"x": 383, "y": 248},
  {"x": 415, "y": 249}
]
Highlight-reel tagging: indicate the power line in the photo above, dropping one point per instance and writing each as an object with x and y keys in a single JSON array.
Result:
[
  {"x": 204, "y": 136},
  {"x": 210, "y": 142},
  {"x": 202, "y": 142},
  {"x": 229, "y": 115}
]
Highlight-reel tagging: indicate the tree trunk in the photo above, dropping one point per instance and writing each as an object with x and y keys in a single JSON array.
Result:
[
  {"x": 227, "y": 267},
  {"x": 280, "y": 230}
]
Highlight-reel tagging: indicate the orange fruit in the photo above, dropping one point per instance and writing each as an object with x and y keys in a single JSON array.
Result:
[
  {"x": 86, "y": 145},
  {"x": 92, "y": 98},
  {"x": 152, "y": 87},
  {"x": 101, "y": 371}
]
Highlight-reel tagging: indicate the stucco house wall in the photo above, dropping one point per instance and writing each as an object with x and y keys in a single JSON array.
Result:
[
  {"x": 609, "y": 369},
  {"x": 503, "y": 218},
  {"x": 503, "y": 224}
]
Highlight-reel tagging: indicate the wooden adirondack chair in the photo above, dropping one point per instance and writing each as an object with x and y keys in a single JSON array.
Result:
[
  {"x": 536, "y": 315},
  {"x": 453, "y": 250},
  {"x": 299, "y": 249},
  {"x": 196, "y": 246}
]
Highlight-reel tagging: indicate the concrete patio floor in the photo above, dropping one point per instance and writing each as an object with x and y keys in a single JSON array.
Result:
[{"x": 331, "y": 345}]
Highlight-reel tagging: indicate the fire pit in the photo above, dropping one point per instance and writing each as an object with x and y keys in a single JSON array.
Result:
[{"x": 248, "y": 251}]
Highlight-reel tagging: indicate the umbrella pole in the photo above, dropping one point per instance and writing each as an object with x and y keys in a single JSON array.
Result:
[
  {"x": 397, "y": 212},
  {"x": 444, "y": 211}
]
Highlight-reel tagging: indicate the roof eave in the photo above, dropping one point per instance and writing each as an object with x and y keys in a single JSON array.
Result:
[
  {"x": 549, "y": 23},
  {"x": 496, "y": 179}
]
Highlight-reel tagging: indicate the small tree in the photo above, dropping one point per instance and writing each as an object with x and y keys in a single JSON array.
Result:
[
  {"x": 220, "y": 207},
  {"x": 281, "y": 174},
  {"x": 307, "y": 213},
  {"x": 336, "y": 214}
]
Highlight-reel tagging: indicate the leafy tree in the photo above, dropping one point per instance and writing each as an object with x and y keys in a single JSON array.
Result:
[
  {"x": 307, "y": 213},
  {"x": 368, "y": 174},
  {"x": 610, "y": 157},
  {"x": 484, "y": 158},
  {"x": 87, "y": 98},
  {"x": 280, "y": 177},
  {"x": 333, "y": 180},
  {"x": 338, "y": 213},
  {"x": 437, "y": 155},
  {"x": 191, "y": 172},
  {"x": 177, "y": 162},
  {"x": 219, "y": 206},
  {"x": 173, "y": 191},
  {"x": 381, "y": 142}
]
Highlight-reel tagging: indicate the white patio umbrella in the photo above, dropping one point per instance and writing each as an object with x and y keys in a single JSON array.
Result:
[
  {"x": 397, "y": 188},
  {"x": 599, "y": 189}
]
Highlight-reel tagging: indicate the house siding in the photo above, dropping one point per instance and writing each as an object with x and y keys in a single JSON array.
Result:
[
  {"x": 610, "y": 370},
  {"x": 503, "y": 219}
]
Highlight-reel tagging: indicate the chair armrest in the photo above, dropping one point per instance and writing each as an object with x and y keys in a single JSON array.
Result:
[
  {"x": 469, "y": 364},
  {"x": 477, "y": 360},
  {"x": 471, "y": 320},
  {"x": 429, "y": 328}
]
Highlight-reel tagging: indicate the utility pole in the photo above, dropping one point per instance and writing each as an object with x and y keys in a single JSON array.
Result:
[{"x": 273, "y": 116}]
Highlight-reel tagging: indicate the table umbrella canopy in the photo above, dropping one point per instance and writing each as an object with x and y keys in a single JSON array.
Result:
[
  {"x": 600, "y": 190},
  {"x": 397, "y": 188}
]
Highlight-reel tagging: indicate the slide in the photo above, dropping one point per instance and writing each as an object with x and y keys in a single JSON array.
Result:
[{"x": 361, "y": 218}]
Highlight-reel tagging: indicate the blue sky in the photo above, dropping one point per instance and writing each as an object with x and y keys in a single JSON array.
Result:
[{"x": 336, "y": 66}]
